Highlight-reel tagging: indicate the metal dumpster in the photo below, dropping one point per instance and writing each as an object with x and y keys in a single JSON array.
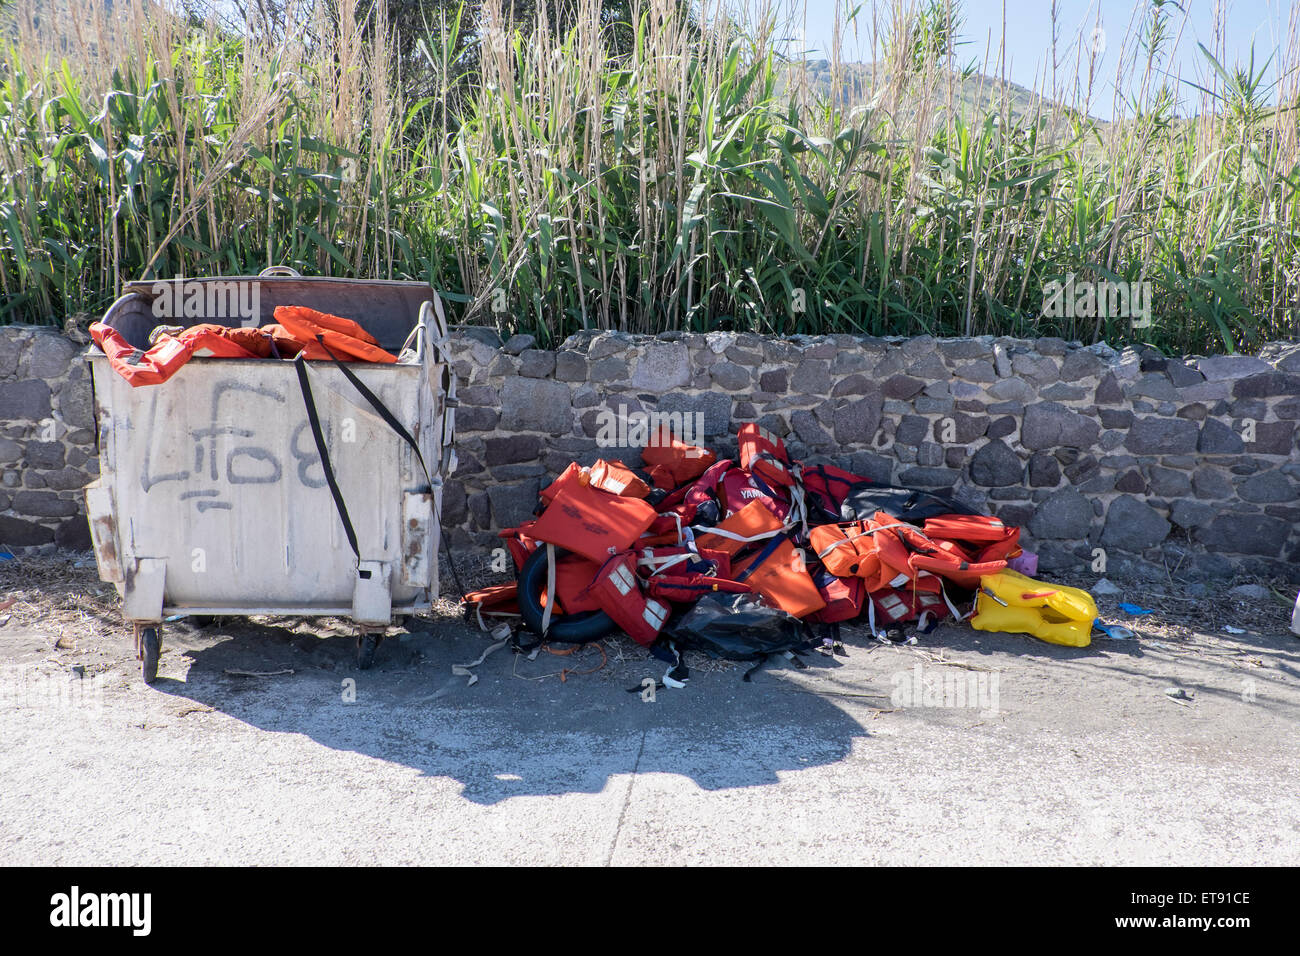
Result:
[{"x": 212, "y": 498}]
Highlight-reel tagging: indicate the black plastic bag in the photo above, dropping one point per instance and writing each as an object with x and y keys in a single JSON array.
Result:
[
  {"x": 907, "y": 504},
  {"x": 738, "y": 627}
]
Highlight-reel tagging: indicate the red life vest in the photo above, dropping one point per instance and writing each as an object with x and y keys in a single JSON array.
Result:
[
  {"x": 680, "y": 561},
  {"x": 689, "y": 588},
  {"x": 519, "y": 543},
  {"x": 738, "y": 488},
  {"x": 573, "y": 575},
  {"x": 617, "y": 590},
  {"x": 843, "y": 596},
  {"x": 827, "y": 486}
]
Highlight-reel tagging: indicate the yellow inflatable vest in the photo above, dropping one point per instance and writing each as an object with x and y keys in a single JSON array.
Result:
[{"x": 1009, "y": 601}]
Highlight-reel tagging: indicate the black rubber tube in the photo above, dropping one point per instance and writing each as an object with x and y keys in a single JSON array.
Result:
[{"x": 565, "y": 628}]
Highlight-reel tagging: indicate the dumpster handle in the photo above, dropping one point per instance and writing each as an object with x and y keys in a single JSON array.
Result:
[{"x": 280, "y": 271}]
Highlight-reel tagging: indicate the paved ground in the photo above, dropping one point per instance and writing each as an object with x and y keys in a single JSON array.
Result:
[{"x": 1072, "y": 756}]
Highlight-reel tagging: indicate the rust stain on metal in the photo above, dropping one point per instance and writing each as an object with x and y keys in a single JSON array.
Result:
[{"x": 105, "y": 543}]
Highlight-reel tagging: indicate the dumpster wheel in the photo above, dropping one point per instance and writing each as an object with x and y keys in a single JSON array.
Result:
[
  {"x": 367, "y": 645},
  {"x": 150, "y": 649}
]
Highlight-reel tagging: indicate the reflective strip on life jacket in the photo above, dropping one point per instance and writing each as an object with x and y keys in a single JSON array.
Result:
[
  {"x": 617, "y": 479},
  {"x": 617, "y": 590}
]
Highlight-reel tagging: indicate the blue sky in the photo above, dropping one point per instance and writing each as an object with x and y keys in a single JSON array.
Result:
[{"x": 1029, "y": 32}]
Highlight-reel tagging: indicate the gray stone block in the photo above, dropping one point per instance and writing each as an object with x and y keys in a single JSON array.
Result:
[
  {"x": 534, "y": 404},
  {"x": 1267, "y": 487},
  {"x": 534, "y": 363},
  {"x": 1162, "y": 436},
  {"x": 1063, "y": 516},
  {"x": 663, "y": 366},
  {"x": 996, "y": 465},
  {"x": 513, "y": 504},
  {"x": 730, "y": 376},
  {"x": 1133, "y": 525},
  {"x": 26, "y": 401},
  {"x": 1050, "y": 425},
  {"x": 857, "y": 421}
]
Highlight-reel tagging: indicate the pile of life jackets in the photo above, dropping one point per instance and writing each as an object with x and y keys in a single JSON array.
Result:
[
  {"x": 618, "y": 547},
  {"x": 297, "y": 329}
]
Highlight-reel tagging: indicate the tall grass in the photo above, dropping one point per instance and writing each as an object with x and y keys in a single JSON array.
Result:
[{"x": 692, "y": 179}]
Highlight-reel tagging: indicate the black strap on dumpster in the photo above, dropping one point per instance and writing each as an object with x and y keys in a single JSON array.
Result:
[
  {"x": 379, "y": 407},
  {"x": 314, "y": 420}
]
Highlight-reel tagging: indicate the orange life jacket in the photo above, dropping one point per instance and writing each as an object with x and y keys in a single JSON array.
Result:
[
  {"x": 571, "y": 474},
  {"x": 336, "y": 333},
  {"x": 878, "y": 549},
  {"x": 496, "y": 599},
  {"x": 616, "y": 478},
  {"x": 887, "y": 552},
  {"x": 989, "y": 538},
  {"x": 162, "y": 360},
  {"x": 751, "y": 525},
  {"x": 778, "y": 572},
  {"x": 763, "y": 454},
  {"x": 682, "y": 461},
  {"x": 591, "y": 522}
]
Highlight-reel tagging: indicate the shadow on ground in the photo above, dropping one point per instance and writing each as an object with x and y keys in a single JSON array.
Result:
[{"x": 508, "y": 736}]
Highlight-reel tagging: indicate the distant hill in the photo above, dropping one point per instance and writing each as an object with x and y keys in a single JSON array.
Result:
[{"x": 977, "y": 94}]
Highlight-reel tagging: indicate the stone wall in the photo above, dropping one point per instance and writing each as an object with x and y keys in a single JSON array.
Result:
[
  {"x": 47, "y": 439},
  {"x": 1190, "y": 465},
  {"x": 1186, "y": 464}
]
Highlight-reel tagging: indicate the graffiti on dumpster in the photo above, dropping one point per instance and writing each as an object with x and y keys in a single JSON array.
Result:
[{"x": 227, "y": 454}]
